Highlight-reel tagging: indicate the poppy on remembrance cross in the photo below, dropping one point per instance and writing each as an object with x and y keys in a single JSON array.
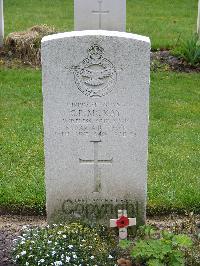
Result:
[{"x": 123, "y": 222}]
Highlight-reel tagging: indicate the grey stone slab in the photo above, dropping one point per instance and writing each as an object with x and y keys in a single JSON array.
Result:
[
  {"x": 96, "y": 108},
  {"x": 1, "y": 23},
  {"x": 100, "y": 14}
]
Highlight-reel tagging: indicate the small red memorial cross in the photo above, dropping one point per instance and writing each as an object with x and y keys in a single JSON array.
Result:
[{"x": 123, "y": 222}]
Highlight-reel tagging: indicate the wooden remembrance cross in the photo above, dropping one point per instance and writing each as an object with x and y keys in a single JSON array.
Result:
[
  {"x": 123, "y": 222},
  {"x": 100, "y": 12},
  {"x": 96, "y": 162}
]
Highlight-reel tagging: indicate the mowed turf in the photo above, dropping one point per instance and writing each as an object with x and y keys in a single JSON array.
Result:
[
  {"x": 174, "y": 141},
  {"x": 164, "y": 21}
]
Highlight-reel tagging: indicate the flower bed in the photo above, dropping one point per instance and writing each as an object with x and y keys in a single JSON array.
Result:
[{"x": 81, "y": 245}]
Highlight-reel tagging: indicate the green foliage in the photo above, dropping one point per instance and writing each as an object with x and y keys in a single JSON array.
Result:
[
  {"x": 124, "y": 244},
  {"x": 189, "y": 50},
  {"x": 72, "y": 244},
  {"x": 161, "y": 248}
]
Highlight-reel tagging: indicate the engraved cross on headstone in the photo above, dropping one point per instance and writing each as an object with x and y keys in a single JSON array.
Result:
[
  {"x": 100, "y": 12},
  {"x": 96, "y": 162}
]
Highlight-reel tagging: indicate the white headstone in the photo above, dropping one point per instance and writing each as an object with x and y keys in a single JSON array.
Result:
[
  {"x": 100, "y": 14},
  {"x": 96, "y": 106},
  {"x": 198, "y": 19},
  {"x": 1, "y": 23}
]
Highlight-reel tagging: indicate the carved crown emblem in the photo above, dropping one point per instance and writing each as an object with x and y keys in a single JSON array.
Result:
[{"x": 95, "y": 76}]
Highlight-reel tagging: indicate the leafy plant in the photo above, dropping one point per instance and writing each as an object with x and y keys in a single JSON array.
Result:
[
  {"x": 72, "y": 244},
  {"x": 190, "y": 50},
  {"x": 160, "y": 248}
]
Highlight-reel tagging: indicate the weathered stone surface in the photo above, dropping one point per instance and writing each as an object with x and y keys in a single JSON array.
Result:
[
  {"x": 100, "y": 14},
  {"x": 1, "y": 23},
  {"x": 96, "y": 94}
]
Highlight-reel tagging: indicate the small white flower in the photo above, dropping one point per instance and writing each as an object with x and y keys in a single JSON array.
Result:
[
  {"x": 27, "y": 263},
  {"x": 64, "y": 236},
  {"x": 92, "y": 257},
  {"x": 24, "y": 227},
  {"x": 74, "y": 256},
  {"x": 59, "y": 232},
  {"x": 70, "y": 246},
  {"x": 67, "y": 259},
  {"x": 110, "y": 257},
  {"x": 23, "y": 253},
  {"x": 53, "y": 252},
  {"x": 17, "y": 257},
  {"x": 57, "y": 263},
  {"x": 49, "y": 242}
]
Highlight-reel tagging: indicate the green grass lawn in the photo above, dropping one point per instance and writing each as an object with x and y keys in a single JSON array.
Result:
[
  {"x": 174, "y": 141},
  {"x": 165, "y": 21}
]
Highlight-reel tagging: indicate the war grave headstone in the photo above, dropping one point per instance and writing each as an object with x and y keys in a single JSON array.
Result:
[
  {"x": 1, "y": 23},
  {"x": 100, "y": 14},
  {"x": 96, "y": 102}
]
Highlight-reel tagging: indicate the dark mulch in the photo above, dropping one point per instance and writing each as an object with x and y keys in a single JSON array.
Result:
[
  {"x": 10, "y": 227},
  {"x": 165, "y": 60}
]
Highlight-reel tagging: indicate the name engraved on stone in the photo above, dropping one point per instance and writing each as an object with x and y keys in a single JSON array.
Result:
[
  {"x": 100, "y": 12},
  {"x": 95, "y": 76},
  {"x": 96, "y": 162}
]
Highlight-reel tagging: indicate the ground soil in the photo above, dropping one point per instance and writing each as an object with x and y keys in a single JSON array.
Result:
[
  {"x": 166, "y": 61},
  {"x": 11, "y": 225}
]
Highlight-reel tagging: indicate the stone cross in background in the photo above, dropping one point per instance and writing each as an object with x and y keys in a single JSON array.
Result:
[
  {"x": 198, "y": 19},
  {"x": 122, "y": 223},
  {"x": 100, "y": 15},
  {"x": 1, "y": 23}
]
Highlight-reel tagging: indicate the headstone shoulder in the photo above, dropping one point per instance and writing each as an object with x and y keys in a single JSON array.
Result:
[{"x": 97, "y": 33}]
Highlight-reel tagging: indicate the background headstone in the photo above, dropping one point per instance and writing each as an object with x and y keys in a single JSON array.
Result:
[
  {"x": 198, "y": 19},
  {"x": 96, "y": 101},
  {"x": 1, "y": 23},
  {"x": 100, "y": 14}
]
